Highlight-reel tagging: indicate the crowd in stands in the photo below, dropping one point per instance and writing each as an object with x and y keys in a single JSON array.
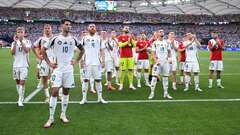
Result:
[
  {"x": 138, "y": 23},
  {"x": 230, "y": 32},
  {"x": 88, "y": 16}
]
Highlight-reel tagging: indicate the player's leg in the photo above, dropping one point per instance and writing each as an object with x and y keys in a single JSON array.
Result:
[
  {"x": 117, "y": 75},
  {"x": 52, "y": 107},
  {"x": 39, "y": 86},
  {"x": 23, "y": 73},
  {"x": 212, "y": 68},
  {"x": 181, "y": 68},
  {"x": 98, "y": 77},
  {"x": 155, "y": 72},
  {"x": 68, "y": 83},
  {"x": 173, "y": 68},
  {"x": 146, "y": 67},
  {"x": 165, "y": 74},
  {"x": 44, "y": 73},
  {"x": 116, "y": 64},
  {"x": 92, "y": 89},
  {"x": 139, "y": 69},
  {"x": 64, "y": 105},
  {"x": 130, "y": 67},
  {"x": 109, "y": 70},
  {"x": 123, "y": 67},
  {"x": 196, "y": 71},
  {"x": 17, "y": 79},
  {"x": 56, "y": 79},
  {"x": 187, "y": 70},
  {"x": 219, "y": 70},
  {"x": 85, "y": 78}
]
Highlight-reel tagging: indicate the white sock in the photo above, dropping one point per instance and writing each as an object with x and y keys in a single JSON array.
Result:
[
  {"x": 165, "y": 85},
  {"x": 146, "y": 77},
  {"x": 52, "y": 107},
  {"x": 187, "y": 80},
  {"x": 17, "y": 88},
  {"x": 153, "y": 83},
  {"x": 174, "y": 84},
  {"x": 60, "y": 92},
  {"x": 46, "y": 91},
  {"x": 84, "y": 90},
  {"x": 210, "y": 81},
  {"x": 218, "y": 82},
  {"x": 196, "y": 81},
  {"x": 139, "y": 77},
  {"x": 65, "y": 100},
  {"x": 181, "y": 78},
  {"x": 92, "y": 84},
  {"x": 99, "y": 89},
  {"x": 20, "y": 93},
  {"x": 117, "y": 76}
]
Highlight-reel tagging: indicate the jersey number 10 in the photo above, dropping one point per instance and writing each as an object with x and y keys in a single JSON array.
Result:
[{"x": 65, "y": 49}]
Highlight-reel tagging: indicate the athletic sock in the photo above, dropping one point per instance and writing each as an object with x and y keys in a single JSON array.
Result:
[
  {"x": 92, "y": 84},
  {"x": 52, "y": 107},
  {"x": 146, "y": 77},
  {"x": 196, "y": 81},
  {"x": 153, "y": 83},
  {"x": 122, "y": 76},
  {"x": 46, "y": 91},
  {"x": 165, "y": 85},
  {"x": 130, "y": 77},
  {"x": 187, "y": 80},
  {"x": 65, "y": 100},
  {"x": 99, "y": 89},
  {"x": 84, "y": 90},
  {"x": 218, "y": 82},
  {"x": 210, "y": 81}
]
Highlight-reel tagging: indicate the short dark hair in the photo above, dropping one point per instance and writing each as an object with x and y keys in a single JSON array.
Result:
[{"x": 65, "y": 20}]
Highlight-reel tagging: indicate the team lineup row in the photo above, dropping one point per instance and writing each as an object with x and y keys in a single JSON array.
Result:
[{"x": 156, "y": 56}]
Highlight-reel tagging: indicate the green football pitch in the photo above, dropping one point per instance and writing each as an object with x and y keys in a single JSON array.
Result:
[{"x": 211, "y": 112}]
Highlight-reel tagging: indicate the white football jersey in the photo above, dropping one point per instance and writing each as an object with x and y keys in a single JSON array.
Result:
[
  {"x": 114, "y": 43},
  {"x": 173, "y": 51},
  {"x": 107, "y": 51},
  {"x": 63, "y": 51},
  {"x": 21, "y": 59},
  {"x": 161, "y": 48},
  {"x": 92, "y": 46},
  {"x": 43, "y": 41},
  {"x": 191, "y": 51}
]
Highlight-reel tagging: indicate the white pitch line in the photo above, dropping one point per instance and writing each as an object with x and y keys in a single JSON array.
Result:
[
  {"x": 140, "y": 101},
  {"x": 31, "y": 95}
]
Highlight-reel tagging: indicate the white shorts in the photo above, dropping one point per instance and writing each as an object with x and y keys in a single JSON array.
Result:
[
  {"x": 173, "y": 66},
  {"x": 143, "y": 64},
  {"x": 62, "y": 79},
  {"x": 216, "y": 65},
  {"x": 162, "y": 68},
  {"x": 94, "y": 72},
  {"x": 191, "y": 67},
  {"x": 44, "y": 69},
  {"x": 109, "y": 66},
  {"x": 20, "y": 73},
  {"x": 181, "y": 65}
]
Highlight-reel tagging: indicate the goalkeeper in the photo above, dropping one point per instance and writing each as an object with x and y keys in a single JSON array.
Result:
[{"x": 126, "y": 43}]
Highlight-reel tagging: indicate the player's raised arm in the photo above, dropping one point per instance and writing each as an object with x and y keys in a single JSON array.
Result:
[
  {"x": 13, "y": 47},
  {"x": 102, "y": 55},
  {"x": 210, "y": 45},
  {"x": 37, "y": 49}
]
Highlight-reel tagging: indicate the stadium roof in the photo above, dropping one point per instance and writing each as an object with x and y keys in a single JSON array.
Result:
[{"x": 196, "y": 7}]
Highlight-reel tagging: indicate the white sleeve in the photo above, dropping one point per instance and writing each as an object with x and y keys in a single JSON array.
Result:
[
  {"x": 28, "y": 44},
  {"x": 12, "y": 45},
  {"x": 153, "y": 46},
  {"x": 102, "y": 44},
  {"x": 50, "y": 43},
  {"x": 36, "y": 43}
]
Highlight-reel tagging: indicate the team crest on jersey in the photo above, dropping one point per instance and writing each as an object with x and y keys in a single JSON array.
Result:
[
  {"x": 59, "y": 42},
  {"x": 65, "y": 42}
]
